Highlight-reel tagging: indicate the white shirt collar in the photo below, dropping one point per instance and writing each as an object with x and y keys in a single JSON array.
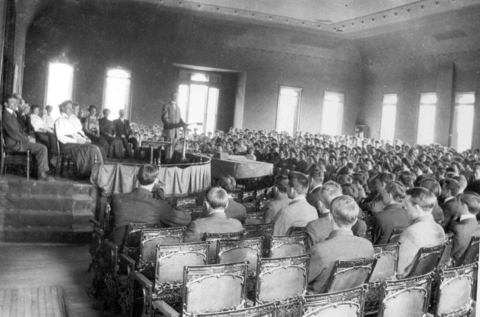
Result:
[
  {"x": 467, "y": 216},
  {"x": 448, "y": 199},
  {"x": 9, "y": 110},
  {"x": 315, "y": 188},
  {"x": 299, "y": 198}
]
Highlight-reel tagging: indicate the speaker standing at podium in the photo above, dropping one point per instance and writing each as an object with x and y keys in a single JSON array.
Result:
[{"x": 172, "y": 122}]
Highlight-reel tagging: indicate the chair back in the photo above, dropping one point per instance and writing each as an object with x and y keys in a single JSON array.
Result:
[
  {"x": 260, "y": 230},
  {"x": 446, "y": 259},
  {"x": 214, "y": 237},
  {"x": 405, "y": 298},
  {"x": 281, "y": 279},
  {"x": 260, "y": 195},
  {"x": 267, "y": 310},
  {"x": 262, "y": 204},
  {"x": 395, "y": 235},
  {"x": 150, "y": 238},
  {"x": 296, "y": 231},
  {"x": 285, "y": 246},
  {"x": 339, "y": 304},
  {"x": 455, "y": 295},
  {"x": 471, "y": 254},
  {"x": 255, "y": 218},
  {"x": 350, "y": 274},
  {"x": 243, "y": 250},
  {"x": 226, "y": 281},
  {"x": 250, "y": 206},
  {"x": 186, "y": 202},
  {"x": 426, "y": 260},
  {"x": 248, "y": 196},
  {"x": 133, "y": 236},
  {"x": 195, "y": 212},
  {"x": 387, "y": 261}
]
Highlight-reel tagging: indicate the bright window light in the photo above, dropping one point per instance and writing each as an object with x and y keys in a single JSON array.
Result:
[
  {"x": 199, "y": 77},
  {"x": 287, "y": 110},
  {"x": 332, "y": 113},
  {"x": 59, "y": 85},
  {"x": 389, "y": 115},
  {"x": 426, "y": 118},
  {"x": 463, "y": 121},
  {"x": 117, "y": 92}
]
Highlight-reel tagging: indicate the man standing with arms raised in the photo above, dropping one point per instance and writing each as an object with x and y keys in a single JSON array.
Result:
[{"x": 172, "y": 120}]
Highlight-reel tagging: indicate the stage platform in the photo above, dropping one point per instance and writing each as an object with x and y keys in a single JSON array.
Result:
[{"x": 40, "y": 211}]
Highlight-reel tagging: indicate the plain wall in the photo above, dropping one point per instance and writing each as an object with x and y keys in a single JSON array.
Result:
[{"x": 149, "y": 42}]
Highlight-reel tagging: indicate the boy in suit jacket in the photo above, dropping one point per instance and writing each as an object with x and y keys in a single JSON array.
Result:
[
  {"x": 465, "y": 226},
  {"x": 233, "y": 210},
  {"x": 451, "y": 207}
]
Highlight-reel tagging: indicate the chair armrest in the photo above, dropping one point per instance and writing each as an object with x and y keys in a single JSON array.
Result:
[
  {"x": 99, "y": 232},
  {"x": 165, "y": 309},
  {"x": 249, "y": 303},
  {"x": 95, "y": 223},
  {"x": 145, "y": 282},
  {"x": 128, "y": 259}
]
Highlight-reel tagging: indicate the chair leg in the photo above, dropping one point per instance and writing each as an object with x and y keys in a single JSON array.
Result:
[{"x": 28, "y": 166}]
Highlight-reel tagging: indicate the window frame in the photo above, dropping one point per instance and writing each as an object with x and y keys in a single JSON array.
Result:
[
  {"x": 128, "y": 110},
  {"x": 296, "y": 122},
  {"x": 72, "y": 92},
  {"x": 381, "y": 114},
  {"x": 420, "y": 104},
  {"x": 342, "y": 110},
  {"x": 454, "y": 142}
]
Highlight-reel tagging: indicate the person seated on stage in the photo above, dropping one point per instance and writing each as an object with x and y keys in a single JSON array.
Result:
[
  {"x": 465, "y": 226},
  {"x": 234, "y": 210},
  {"x": 107, "y": 131},
  {"x": 299, "y": 212},
  {"x": 280, "y": 200},
  {"x": 17, "y": 140},
  {"x": 41, "y": 134},
  {"x": 91, "y": 128},
  {"x": 24, "y": 118},
  {"x": 139, "y": 206},
  {"x": 76, "y": 146},
  {"x": 341, "y": 244},
  {"x": 123, "y": 132},
  {"x": 423, "y": 232},
  {"x": 216, "y": 221},
  {"x": 48, "y": 119}
]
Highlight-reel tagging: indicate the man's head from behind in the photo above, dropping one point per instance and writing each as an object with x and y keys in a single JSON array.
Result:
[
  {"x": 344, "y": 212},
  {"x": 228, "y": 183},
  {"x": 329, "y": 191},
  {"x": 281, "y": 185},
  {"x": 147, "y": 175},
  {"x": 217, "y": 199},
  {"x": 450, "y": 188},
  {"x": 394, "y": 192},
  {"x": 419, "y": 202},
  {"x": 470, "y": 202},
  {"x": 298, "y": 183},
  {"x": 315, "y": 177}
]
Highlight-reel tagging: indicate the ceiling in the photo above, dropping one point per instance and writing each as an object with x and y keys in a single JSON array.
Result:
[{"x": 346, "y": 17}]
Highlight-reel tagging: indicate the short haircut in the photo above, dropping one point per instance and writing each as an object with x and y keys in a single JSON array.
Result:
[
  {"x": 10, "y": 96},
  {"x": 33, "y": 107},
  {"x": 452, "y": 185},
  {"x": 462, "y": 181},
  {"x": 350, "y": 190},
  {"x": 407, "y": 178},
  {"x": 63, "y": 105},
  {"x": 91, "y": 107},
  {"x": 299, "y": 182},
  {"x": 328, "y": 192},
  {"x": 471, "y": 200},
  {"x": 105, "y": 111},
  {"x": 385, "y": 177},
  {"x": 217, "y": 198},
  {"x": 397, "y": 190},
  {"x": 281, "y": 182},
  {"x": 432, "y": 185},
  {"x": 422, "y": 197},
  {"x": 344, "y": 179},
  {"x": 317, "y": 175},
  {"x": 344, "y": 211},
  {"x": 228, "y": 183},
  {"x": 147, "y": 174}
]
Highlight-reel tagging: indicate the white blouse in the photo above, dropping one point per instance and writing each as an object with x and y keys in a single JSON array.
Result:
[
  {"x": 37, "y": 123},
  {"x": 66, "y": 132}
]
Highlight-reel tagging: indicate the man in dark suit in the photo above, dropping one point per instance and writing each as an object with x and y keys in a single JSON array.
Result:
[
  {"x": 474, "y": 184},
  {"x": 139, "y": 206},
  {"x": 172, "y": 118},
  {"x": 319, "y": 229},
  {"x": 234, "y": 210},
  {"x": 23, "y": 118},
  {"x": 341, "y": 244},
  {"x": 450, "y": 206},
  {"x": 465, "y": 226},
  {"x": 393, "y": 216},
  {"x": 216, "y": 221},
  {"x": 17, "y": 140},
  {"x": 315, "y": 179},
  {"x": 124, "y": 133}
]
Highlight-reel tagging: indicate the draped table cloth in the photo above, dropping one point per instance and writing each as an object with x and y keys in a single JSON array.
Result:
[
  {"x": 179, "y": 180},
  {"x": 240, "y": 168}
]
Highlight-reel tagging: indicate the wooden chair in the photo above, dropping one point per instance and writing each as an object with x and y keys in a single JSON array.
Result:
[
  {"x": 405, "y": 298},
  {"x": 283, "y": 246},
  {"x": 282, "y": 280},
  {"x": 186, "y": 202},
  {"x": 267, "y": 310},
  {"x": 248, "y": 196},
  {"x": 385, "y": 270},
  {"x": 62, "y": 158},
  {"x": 166, "y": 288},
  {"x": 426, "y": 260},
  {"x": 260, "y": 230},
  {"x": 471, "y": 253},
  {"x": 446, "y": 259},
  {"x": 395, "y": 235},
  {"x": 296, "y": 231},
  {"x": 244, "y": 250},
  {"x": 255, "y": 218},
  {"x": 350, "y": 274},
  {"x": 214, "y": 237},
  {"x": 456, "y": 292},
  {"x": 12, "y": 156},
  {"x": 339, "y": 304}
]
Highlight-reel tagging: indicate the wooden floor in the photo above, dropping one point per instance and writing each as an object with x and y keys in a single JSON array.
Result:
[{"x": 40, "y": 265}]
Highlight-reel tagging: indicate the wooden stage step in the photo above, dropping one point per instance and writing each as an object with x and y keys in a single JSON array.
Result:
[{"x": 46, "y": 301}]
